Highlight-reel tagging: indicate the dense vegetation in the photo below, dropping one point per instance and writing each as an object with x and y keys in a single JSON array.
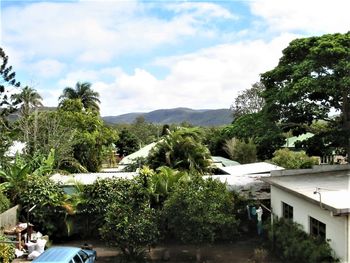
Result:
[{"x": 169, "y": 198}]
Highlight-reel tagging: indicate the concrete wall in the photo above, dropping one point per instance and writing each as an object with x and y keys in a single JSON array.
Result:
[
  {"x": 336, "y": 226},
  {"x": 8, "y": 218}
]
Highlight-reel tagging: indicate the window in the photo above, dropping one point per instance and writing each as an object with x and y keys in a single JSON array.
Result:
[
  {"x": 317, "y": 228},
  {"x": 83, "y": 256},
  {"x": 77, "y": 259},
  {"x": 287, "y": 211}
]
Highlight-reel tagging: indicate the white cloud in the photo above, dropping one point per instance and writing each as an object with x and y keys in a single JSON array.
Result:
[
  {"x": 311, "y": 16},
  {"x": 89, "y": 32},
  {"x": 209, "y": 78}
]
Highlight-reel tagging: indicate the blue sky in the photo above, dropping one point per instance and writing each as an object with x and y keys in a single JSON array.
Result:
[{"x": 147, "y": 55}]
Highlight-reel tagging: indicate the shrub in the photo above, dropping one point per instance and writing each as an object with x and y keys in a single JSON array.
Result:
[
  {"x": 200, "y": 211},
  {"x": 130, "y": 224},
  {"x": 4, "y": 203},
  {"x": 7, "y": 251},
  {"x": 291, "y": 243},
  {"x": 293, "y": 160},
  {"x": 49, "y": 199}
]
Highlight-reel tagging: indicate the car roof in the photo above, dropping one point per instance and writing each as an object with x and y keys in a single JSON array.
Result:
[{"x": 57, "y": 254}]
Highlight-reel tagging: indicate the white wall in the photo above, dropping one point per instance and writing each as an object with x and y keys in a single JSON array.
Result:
[{"x": 336, "y": 226}]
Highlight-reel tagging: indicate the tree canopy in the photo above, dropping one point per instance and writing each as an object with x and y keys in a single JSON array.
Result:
[
  {"x": 83, "y": 92},
  {"x": 310, "y": 82}
]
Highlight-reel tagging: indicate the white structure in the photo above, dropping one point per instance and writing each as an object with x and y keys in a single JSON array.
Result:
[
  {"x": 245, "y": 178},
  {"x": 319, "y": 200},
  {"x": 88, "y": 178}
]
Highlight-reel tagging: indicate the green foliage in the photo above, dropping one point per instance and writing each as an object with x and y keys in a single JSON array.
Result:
[
  {"x": 182, "y": 150},
  {"x": 4, "y": 202},
  {"x": 311, "y": 81},
  {"x": 48, "y": 198},
  {"x": 214, "y": 139},
  {"x": 130, "y": 223},
  {"x": 293, "y": 160},
  {"x": 29, "y": 99},
  {"x": 292, "y": 244},
  {"x": 201, "y": 211},
  {"x": 7, "y": 251},
  {"x": 249, "y": 101},
  {"x": 7, "y": 79},
  {"x": 265, "y": 133},
  {"x": 84, "y": 93},
  {"x": 127, "y": 143},
  {"x": 241, "y": 151}
]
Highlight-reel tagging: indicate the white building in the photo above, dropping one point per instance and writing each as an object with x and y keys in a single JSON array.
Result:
[{"x": 319, "y": 200}]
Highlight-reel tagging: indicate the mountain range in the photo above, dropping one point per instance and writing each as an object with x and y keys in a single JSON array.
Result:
[{"x": 215, "y": 117}]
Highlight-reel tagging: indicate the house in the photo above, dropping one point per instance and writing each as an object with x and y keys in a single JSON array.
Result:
[{"x": 318, "y": 199}]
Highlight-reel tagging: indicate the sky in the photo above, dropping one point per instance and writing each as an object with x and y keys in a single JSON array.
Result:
[{"x": 146, "y": 55}]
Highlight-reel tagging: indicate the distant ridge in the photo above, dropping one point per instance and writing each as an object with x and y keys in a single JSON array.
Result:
[{"x": 215, "y": 117}]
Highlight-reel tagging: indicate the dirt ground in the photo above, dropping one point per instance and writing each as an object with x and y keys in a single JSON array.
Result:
[{"x": 238, "y": 252}]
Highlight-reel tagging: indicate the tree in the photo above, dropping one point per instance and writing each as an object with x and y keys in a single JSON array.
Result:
[
  {"x": 249, "y": 101},
  {"x": 29, "y": 99},
  {"x": 127, "y": 143},
  {"x": 182, "y": 150},
  {"x": 311, "y": 80},
  {"x": 241, "y": 151},
  {"x": 7, "y": 79},
  {"x": 83, "y": 92},
  {"x": 130, "y": 223},
  {"x": 201, "y": 211},
  {"x": 265, "y": 133}
]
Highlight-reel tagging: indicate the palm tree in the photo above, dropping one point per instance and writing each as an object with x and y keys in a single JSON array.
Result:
[
  {"x": 83, "y": 92},
  {"x": 29, "y": 98}
]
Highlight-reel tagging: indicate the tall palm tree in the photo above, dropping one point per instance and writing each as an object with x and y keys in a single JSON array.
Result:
[
  {"x": 29, "y": 98},
  {"x": 83, "y": 92}
]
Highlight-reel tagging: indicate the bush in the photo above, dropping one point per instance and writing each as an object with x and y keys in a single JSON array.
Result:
[
  {"x": 49, "y": 199},
  {"x": 291, "y": 243},
  {"x": 4, "y": 203},
  {"x": 293, "y": 160},
  {"x": 201, "y": 211},
  {"x": 130, "y": 224},
  {"x": 7, "y": 251}
]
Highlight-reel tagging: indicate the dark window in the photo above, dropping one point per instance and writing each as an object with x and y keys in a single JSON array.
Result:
[
  {"x": 287, "y": 211},
  {"x": 77, "y": 259},
  {"x": 317, "y": 228},
  {"x": 83, "y": 255}
]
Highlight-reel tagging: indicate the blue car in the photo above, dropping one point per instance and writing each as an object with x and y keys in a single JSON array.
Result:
[{"x": 67, "y": 255}]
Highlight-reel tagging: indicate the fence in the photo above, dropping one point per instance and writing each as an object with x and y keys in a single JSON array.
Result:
[{"x": 8, "y": 219}]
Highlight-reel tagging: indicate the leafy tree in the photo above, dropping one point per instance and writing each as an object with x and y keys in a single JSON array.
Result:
[
  {"x": 249, "y": 101},
  {"x": 49, "y": 198},
  {"x": 145, "y": 132},
  {"x": 7, "y": 250},
  {"x": 214, "y": 139},
  {"x": 127, "y": 143},
  {"x": 241, "y": 151},
  {"x": 181, "y": 150},
  {"x": 293, "y": 160},
  {"x": 4, "y": 202},
  {"x": 311, "y": 80},
  {"x": 130, "y": 223},
  {"x": 201, "y": 211},
  {"x": 83, "y": 92},
  {"x": 265, "y": 133},
  {"x": 7, "y": 79}
]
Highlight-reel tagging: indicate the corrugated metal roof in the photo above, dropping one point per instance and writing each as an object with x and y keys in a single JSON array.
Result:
[
  {"x": 226, "y": 162},
  {"x": 290, "y": 142},
  {"x": 143, "y": 152},
  {"x": 88, "y": 178},
  {"x": 251, "y": 168}
]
